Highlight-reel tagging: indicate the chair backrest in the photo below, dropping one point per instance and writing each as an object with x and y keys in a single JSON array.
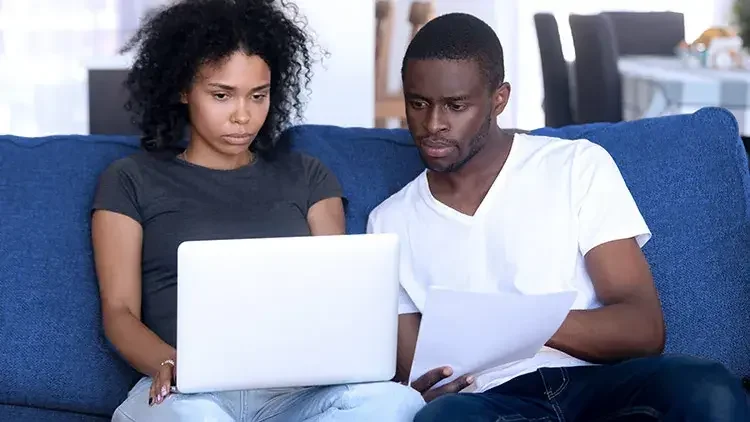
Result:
[
  {"x": 647, "y": 33},
  {"x": 107, "y": 97},
  {"x": 597, "y": 79},
  {"x": 555, "y": 75}
]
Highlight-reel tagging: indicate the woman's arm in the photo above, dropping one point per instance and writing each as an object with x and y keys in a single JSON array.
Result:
[
  {"x": 326, "y": 217},
  {"x": 117, "y": 241}
]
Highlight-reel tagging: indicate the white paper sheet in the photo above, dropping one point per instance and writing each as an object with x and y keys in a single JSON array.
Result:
[{"x": 471, "y": 331}]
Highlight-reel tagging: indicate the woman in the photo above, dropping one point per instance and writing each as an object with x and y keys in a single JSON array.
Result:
[{"x": 226, "y": 75}]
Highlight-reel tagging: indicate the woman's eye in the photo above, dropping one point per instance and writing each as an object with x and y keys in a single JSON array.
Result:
[
  {"x": 259, "y": 97},
  {"x": 220, "y": 96}
]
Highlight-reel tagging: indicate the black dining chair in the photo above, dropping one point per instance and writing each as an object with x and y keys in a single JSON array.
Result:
[
  {"x": 647, "y": 33},
  {"x": 555, "y": 75},
  {"x": 597, "y": 78},
  {"x": 107, "y": 97}
]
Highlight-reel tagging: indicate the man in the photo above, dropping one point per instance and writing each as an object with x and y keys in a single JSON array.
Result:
[{"x": 531, "y": 215}]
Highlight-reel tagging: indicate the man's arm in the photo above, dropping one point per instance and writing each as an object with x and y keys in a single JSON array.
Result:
[
  {"x": 630, "y": 323},
  {"x": 408, "y": 328}
]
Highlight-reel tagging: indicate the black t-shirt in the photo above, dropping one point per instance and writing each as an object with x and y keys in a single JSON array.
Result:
[{"x": 175, "y": 201}]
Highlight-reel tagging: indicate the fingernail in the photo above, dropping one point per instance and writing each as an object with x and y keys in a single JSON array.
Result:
[
  {"x": 163, "y": 391},
  {"x": 447, "y": 371},
  {"x": 470, "y": 379}
]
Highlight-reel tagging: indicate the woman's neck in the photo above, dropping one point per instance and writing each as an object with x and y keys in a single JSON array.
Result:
[{"x": 205, "y": 156}]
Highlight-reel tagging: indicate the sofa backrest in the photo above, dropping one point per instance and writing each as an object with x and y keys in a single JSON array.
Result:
[
  {"x": 53, "y": 353},
  {"x": 689, "y": 177}
]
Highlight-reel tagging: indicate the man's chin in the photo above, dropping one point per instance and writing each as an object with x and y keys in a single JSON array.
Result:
[{"x": 438, "y": 166}]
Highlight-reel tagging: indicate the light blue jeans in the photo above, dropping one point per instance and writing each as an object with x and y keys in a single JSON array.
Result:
[{"x": 369, "y": 402}]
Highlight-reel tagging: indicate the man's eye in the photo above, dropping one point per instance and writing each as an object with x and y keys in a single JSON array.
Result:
[
  {"x": 221, "y": 96},
  {"x": 418, "y": 104},
  {"x": 457, "y": 107}
]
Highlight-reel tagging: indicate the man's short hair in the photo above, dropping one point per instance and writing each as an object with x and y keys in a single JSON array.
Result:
[{"x": 459, "y": 36}]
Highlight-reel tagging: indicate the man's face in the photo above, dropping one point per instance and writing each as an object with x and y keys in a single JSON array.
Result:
[{"x": 450, "y": 110}]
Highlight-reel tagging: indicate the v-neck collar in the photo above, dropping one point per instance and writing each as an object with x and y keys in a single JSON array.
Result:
[{"x": 497, "y": 184}]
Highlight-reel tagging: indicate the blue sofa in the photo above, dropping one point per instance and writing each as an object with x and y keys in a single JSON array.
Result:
[{"x": 689, "y": 175}]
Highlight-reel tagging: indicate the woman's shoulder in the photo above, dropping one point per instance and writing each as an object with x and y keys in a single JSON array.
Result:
[
  {"x": 137, "y": 163},
  {"x": 296, "y": 161}
]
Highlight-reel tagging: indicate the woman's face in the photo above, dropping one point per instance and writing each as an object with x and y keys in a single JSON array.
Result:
[{"x": 228, "y": 103}]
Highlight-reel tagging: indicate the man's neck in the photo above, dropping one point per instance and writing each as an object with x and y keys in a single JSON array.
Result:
[{"x": 481, "y": 170}]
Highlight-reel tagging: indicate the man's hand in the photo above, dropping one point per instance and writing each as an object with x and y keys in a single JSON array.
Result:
[{"x": 424, "y": 383}]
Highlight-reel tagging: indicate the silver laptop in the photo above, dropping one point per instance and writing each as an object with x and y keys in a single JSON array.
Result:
[{"x": 286, "y": 312}]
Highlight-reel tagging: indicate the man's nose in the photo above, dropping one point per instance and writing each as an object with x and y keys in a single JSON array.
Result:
[{"x": 436, "y": 121}]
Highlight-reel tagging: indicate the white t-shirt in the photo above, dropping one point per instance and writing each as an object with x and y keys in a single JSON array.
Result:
[{"x": 553, "y": 201}]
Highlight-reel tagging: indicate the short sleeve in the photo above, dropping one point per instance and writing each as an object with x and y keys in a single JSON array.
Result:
[
  {"x": 323, "y": 183},
  {"x": 117, "y": 190},
  {"x": 606, "y": 208},
  {"x": 405, "y": 304}
]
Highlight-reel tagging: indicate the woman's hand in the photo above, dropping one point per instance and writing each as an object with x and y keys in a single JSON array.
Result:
[{"x": 161, "y": 383}]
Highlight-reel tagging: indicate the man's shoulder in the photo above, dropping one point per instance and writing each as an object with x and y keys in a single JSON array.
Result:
[
  {"x": 551, "y": 144},
  {"x": 562, "y": 152},
  {"x": 393, "y": 207}
]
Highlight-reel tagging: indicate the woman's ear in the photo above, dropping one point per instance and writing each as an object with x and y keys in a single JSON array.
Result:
[{"x": 183, "y": 97}]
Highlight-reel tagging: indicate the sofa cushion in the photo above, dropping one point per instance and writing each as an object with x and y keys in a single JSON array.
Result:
[
  {"x": 26, "y": 414},
  {"x": 689, "y": 177},
  {"x": 52, "y": 350}
]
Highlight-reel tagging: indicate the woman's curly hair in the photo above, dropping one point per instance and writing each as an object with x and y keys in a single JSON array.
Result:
[{"x": 174, "y": 41}]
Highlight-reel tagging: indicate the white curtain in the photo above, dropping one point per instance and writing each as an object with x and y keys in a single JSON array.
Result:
[{"x": 46, "y": 47}]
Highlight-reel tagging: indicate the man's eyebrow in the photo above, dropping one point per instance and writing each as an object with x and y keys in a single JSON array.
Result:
[
  {"x": 456, "y": 98},
  {"x": 463, "y": 97},
  {"x": 413, "y": 95}
]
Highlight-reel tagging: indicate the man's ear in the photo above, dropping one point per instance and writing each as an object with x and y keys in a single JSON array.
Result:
[{"x": 500, "y": 98}]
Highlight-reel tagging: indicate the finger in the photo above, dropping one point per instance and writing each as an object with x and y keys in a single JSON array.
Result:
[
  {"x": 426, "y": 381},
  {"x": 162, "y": 390},
  {"x": 152, "y": 390},
  {"x": 455, "y": 386}
]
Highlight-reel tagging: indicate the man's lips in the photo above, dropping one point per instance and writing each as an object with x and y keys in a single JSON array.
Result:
[{"x": 436, "y": 149}]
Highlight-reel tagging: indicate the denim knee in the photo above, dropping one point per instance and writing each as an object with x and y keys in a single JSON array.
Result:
[
  {"x": 450, "y": 407},
  {"x": 703, "y": 387},
  {"x": 394, "y": 401}
]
